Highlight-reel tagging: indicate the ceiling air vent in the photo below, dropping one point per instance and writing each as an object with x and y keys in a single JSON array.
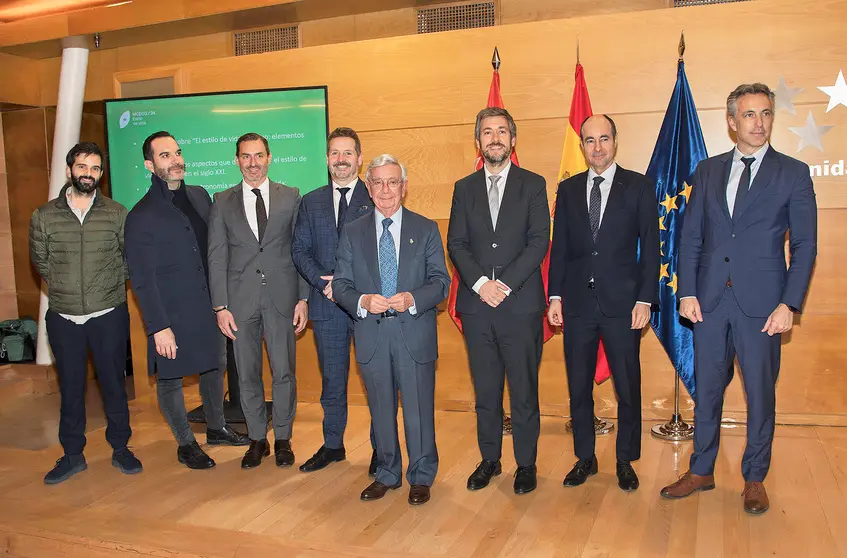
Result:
[
  {"x": 684, "y": 3},
  {"x": 456, "y": 16},
  {"x": 267, "y": 40}
]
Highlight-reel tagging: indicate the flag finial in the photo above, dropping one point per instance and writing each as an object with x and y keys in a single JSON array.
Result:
[
  {"x": 577, "y": 50},
  {"x": 681, "y": 45},
  {"x": 495, "y": 60}
]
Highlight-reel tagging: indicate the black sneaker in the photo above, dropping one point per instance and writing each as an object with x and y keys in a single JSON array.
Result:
[
  {"x": 124, "y": 460},
  {"x": 66, "y": 467}
]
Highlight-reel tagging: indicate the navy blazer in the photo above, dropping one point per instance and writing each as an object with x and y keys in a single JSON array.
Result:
[
  {"x": 316, "y": 241},
  {"x": 421, "y": 271},
  {"x": 168, "y": 278},
  {"x": 625, "y": 258},
  {"x": 749, "y": 248}
]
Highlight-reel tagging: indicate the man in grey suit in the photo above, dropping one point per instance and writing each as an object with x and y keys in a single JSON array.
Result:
[
  {"x": 257, "y": 293},
  {"x": 390, "y": 274}
]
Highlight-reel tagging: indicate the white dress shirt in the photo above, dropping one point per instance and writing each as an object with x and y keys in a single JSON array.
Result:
[
  {"x": 250, "y": 203},
  {"x": 737, "y": 170},
  {"x": 336, "y": 196},
  {"x": 80, "y": 214},
  {"x": 501, "y": 189},
  {"x": 394, "y": 229}
]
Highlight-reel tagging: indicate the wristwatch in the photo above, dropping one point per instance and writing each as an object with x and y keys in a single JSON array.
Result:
[{"x": 216, "y": 310}]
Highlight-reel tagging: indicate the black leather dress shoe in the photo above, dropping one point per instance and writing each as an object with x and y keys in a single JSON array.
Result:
[
  {"x": 418, "y": 494},
  {"x": 322, "y": 458},
  {"x": 483, "y": 473},
  {"x": 258, "y": 450},
  {"x": 376, "y": 490},
  {"x": 192, "y": 456},
  {"x": 283, "y": 453},
  {"x": 372, "y": 466},
  {"x": 583, "y": 469},
  {"x": 226, "y": 436},
  {"x": 627, "y": 479},
  {"x": 525, "y": 480}
]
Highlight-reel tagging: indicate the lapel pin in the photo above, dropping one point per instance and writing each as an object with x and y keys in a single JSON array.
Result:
[{"x": 411, "y": 241}]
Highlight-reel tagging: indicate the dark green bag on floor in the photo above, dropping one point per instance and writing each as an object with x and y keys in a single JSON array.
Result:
[{"x": 17, "y": 340}]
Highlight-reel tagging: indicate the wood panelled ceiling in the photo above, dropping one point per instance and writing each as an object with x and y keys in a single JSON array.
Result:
[{"x": 133, "y": 23}]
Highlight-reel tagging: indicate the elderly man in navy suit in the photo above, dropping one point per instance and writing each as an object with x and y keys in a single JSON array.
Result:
[
  {"x": 735, "y": 288},
  {"x": 391, "y": 274},
  {"x": 323, "y": 213}
]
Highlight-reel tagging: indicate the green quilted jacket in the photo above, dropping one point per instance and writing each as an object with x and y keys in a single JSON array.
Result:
[{"x": 83, "y": 264}]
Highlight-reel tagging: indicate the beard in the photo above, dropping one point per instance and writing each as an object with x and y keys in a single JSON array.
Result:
[
  {"x": 84, "y": 184},
  {"x": 165, "y": 173},
  {"x": 496, "y": 159}
]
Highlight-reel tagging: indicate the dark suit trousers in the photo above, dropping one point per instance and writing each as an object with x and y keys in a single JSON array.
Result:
[
  {"x": 501, "y": 346},
  {"x": 390, "y": 369},
  {"x": 106, "y": 335},
  {"x": 278, "y": 333},
  {"x": 723, "y": 333},
  {"x": 623, "y": 345},
  {"x": 332, "y": 338}
]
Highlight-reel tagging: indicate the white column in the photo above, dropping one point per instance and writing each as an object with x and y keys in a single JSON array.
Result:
[{"x": 65, "y": 136}]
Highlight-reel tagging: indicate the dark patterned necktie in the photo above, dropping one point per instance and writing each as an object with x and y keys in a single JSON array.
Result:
[
  {"x": 261, "y": 213},
  {"x": 342, "y": 208},
  {"x": 594, "y": 207},
  {"x": 743, "y": 185}
]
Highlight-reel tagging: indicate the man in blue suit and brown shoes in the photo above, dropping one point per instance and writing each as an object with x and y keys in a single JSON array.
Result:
[
  {"x": 735, "y": 288},
  {"x": 323, "y": 213}
]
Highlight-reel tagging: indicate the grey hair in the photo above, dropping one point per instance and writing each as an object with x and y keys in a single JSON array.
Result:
[
  {"x": 747, "y": 89},
  {"x": 383, "y": 160},
  {"x": 490, "y": 112}
]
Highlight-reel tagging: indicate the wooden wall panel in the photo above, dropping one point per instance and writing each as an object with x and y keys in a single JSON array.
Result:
[
  {"x": 20, "y": 81},
  {"x": 8, "y": 291},
  {"x": 521, "y": 11}
]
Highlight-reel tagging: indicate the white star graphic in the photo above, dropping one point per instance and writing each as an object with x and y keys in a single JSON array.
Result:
[
  {"x": 810, "y": 134},
  {"x": 784, "y": 95},
  {"x": 837, "y": 93}
]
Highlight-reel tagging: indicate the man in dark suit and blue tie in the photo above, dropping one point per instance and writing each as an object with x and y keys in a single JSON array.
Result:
[
  {"x": 390, "y": 274},
  {"x": 323, "y": 213},
  {"x": 735, "y": 288},
  {"x": 604, "y": 277}
]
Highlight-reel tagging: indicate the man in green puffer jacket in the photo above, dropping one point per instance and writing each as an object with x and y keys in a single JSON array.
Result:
[{"x": 77, "y": 244}]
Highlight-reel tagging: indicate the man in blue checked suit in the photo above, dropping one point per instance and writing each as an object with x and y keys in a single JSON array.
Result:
[
  {"x": 735, "y": 288},
  {"x": 323, "y": 213}
]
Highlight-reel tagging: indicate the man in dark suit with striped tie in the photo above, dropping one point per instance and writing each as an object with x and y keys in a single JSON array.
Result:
[{"x": 323, "y": 213}]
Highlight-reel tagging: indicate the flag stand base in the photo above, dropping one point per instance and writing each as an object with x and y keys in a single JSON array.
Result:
[
  {"x": 677, "y": 430},
  {"x": 600, "y": 426}
]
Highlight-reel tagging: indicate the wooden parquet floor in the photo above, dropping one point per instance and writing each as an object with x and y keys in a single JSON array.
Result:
[{"x": 170, "y": 511}]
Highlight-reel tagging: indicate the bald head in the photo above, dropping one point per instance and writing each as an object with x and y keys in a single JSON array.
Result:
[{"x": 598, "y": 136}]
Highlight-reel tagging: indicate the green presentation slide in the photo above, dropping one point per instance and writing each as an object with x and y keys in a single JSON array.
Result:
[{"x": 207, "y": 126}]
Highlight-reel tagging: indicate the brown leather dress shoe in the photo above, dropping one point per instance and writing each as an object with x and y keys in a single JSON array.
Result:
[
  {"x": 418, "y": 494},
  {"x": 688, "y": 484},
  {"x": 376, "y": 490},
  {"x": 755, "y": 498}
]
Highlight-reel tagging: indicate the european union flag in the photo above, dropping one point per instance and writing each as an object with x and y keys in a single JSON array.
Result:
[{"x": 679, "y": 148}]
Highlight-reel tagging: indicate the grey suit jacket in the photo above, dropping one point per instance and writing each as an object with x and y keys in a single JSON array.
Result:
[
  {"x": 237, "y": 261},
  {"x": 422, "y": 271}
]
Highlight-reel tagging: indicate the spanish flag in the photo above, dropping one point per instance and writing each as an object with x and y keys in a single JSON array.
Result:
[{"x": 573, "y": 162}]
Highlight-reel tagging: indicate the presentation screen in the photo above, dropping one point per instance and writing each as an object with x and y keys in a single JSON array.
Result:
[{"x": 295, "y": 122}]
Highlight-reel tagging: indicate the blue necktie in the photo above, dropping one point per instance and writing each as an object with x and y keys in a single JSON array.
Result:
[{"x": 387, "y": 261}]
